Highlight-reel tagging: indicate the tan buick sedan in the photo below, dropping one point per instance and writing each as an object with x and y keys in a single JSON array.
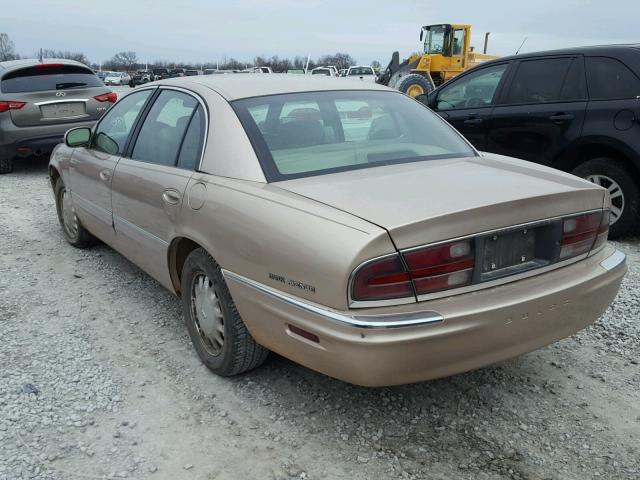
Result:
[{"x": 345, "y": 227}]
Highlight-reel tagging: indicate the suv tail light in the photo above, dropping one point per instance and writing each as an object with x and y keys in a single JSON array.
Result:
[
  {"x": 381, "y": 279},
  {"x": 9, "y": 105},
  {"x": 579, "y": 234},
  {"x": 441, "y": 267},
  {"x": 107, "y": 97}
]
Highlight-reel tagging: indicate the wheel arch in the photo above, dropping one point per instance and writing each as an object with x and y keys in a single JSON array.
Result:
[
  {"x": 179, "y": 249},
  {"x": 595, "y": 147},
  {"x": 54, "y": 175}
]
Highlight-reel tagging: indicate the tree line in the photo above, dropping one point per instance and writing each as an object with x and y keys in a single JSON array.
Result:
[{"x": 128, "y": 60}]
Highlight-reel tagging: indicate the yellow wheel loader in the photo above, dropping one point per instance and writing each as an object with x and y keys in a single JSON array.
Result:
[{"x": 447, "y": 52}]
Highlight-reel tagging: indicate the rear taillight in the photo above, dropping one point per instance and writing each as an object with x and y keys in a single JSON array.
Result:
[
  {"x": 9, "y": 105},
  {"x": 450, "y": 265},
  {"x": 107, "y": 97},
  {"x": 441, "y": 267},
  {"x": 579, "y": 234},
  {"x": 381, "y": 279},
  {"x": 603, "y": 232}
]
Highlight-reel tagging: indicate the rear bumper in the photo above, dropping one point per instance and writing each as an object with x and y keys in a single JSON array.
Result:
[
  {"x": 24, "y": 141},
  {"x": 426, "y": 340}
]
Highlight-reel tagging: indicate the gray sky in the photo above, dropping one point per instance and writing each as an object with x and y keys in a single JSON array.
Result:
[{"x": 207, "y": 30}]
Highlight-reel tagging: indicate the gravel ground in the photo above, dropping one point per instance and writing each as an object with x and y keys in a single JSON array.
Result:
[{"x": 98, "y": 380}]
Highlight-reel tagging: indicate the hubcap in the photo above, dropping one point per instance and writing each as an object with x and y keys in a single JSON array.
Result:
[
  {"x": 69, "y": 218},
  {"x": 207, "y": 314},
  {"x": 615, "y": 192},
  {"x": 415, "y": 90}
]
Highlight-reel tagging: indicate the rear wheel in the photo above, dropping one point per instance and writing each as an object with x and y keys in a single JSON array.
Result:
[
  {"x": 415, "y": 84},
  {"x": 623, "y": 190},
  {"x": 6, "y": 165},
  {"x": 217, "y": 332},
  {"x": 74, "y": 232}
]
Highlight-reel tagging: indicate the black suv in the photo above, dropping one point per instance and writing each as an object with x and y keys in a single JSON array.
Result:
[{"x": 577, "y": 110}]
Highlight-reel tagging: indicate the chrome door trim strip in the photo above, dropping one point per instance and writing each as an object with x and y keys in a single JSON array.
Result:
[
  {"x": 411, "y": 319},
  {"x": 150, "y": 236}
]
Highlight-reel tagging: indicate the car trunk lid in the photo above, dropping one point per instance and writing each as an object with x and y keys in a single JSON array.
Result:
[{"x": 426, "y": 202}]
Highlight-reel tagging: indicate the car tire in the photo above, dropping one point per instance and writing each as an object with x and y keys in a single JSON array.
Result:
[
  {"x": 217, "y": 331},
  {"x": 6, "y": 165},
  {"x": 72, "y": 228},
  {"x": 623, "y": 188},
  {"x": 415, "y": 84}
]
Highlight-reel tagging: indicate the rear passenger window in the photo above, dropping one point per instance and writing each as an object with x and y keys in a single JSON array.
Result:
[
  {"x": 538, "y": 81},
  {"x": 192, "y": 143},
  {"x": 162, "y": 131},
  {"x": 609, "y": 78}
]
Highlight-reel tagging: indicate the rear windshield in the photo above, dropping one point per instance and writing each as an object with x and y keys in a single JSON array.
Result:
[
  {"x": 42, "y": 78},
  {"x": 305, "y": 134},
  {"x": 360, "y": 71}
]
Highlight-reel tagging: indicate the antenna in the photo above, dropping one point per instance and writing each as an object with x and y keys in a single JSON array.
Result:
[{"x": 525, "y": 39}]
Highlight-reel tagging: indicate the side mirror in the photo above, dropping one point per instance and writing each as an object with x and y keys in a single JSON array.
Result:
[
  {"x": 106, "y": 144},
  {"x": 427, "y": 99},
  {"x": 77, "y": 137}
]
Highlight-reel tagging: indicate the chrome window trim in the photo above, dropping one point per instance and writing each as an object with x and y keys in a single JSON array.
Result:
[
  {"x": 359, "y": 321},
  {"x": 205, "y": 109},
  {"x": 475, "y": 287}
]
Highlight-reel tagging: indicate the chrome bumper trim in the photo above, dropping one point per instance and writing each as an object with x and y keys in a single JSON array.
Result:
[
  {"x": 360, "y": 321},
  {"x": 613, "y": 261}
]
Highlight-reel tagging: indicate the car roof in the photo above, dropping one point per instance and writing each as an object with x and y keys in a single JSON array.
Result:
[
  {"x": 591, "y": 50},
  {"x": 234, "y": 86},
  {"x": 11, "y": 65}
]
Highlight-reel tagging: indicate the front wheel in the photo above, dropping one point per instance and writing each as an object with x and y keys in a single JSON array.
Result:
[
  {"x": 415, "y": 84},
  {"x": 623, "y": 190},
  {"x": 217, "y": 332},
  {"x": 74, "y": 232}
]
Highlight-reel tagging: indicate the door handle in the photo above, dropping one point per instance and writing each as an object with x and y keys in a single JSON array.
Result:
[
  {"x": 560, "y": 118},
  {"x": 171, "y": 197},
  {"x": 473, "y": 121},
  {"x": 105, "y": 175}
]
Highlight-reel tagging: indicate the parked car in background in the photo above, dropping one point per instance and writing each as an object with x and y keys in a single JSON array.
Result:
[
  {"x": 363, "y": 73},
  {"x": 39, "y": 101},
  {"x": 141, "y": 77},
  {"x": 296, "y": 71},
  {"x": 192, "y": 73},
  {"x": 209, "y": 71},
  {"x": 342, "y": 72},
  {"x": 577, "y": 110},
  {"x": 117, "y": 78},
  {"x": 101, "y": 75},
  {"x": 177, "y": 72},
  {"x": 160, "y": 73},
  {"x": 382, "y": 251},
  {"x": 323, "y": 71}
]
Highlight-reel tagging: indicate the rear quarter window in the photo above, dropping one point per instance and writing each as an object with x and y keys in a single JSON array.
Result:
[
  {"x": 609, "y": 79},
  {"x": 41, "y": 78}
]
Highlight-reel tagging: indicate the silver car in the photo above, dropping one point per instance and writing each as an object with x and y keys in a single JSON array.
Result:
[{"x": 39, "y": 101}]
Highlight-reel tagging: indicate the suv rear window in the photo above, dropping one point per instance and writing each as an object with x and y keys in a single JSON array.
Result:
[
  {"x": 44, "y": 77},
  {"x": 609, "y": 78}
]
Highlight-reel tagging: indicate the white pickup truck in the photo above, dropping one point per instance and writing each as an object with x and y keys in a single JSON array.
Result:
[{"x": 366, "y": 74}]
